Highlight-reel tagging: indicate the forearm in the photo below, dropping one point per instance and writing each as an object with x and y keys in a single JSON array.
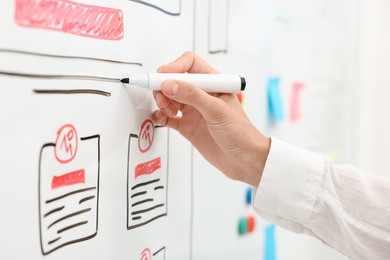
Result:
[{"x": 345, "y": 208}]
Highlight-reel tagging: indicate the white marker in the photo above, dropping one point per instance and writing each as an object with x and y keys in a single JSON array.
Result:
[{"x": 212, "y": 83}]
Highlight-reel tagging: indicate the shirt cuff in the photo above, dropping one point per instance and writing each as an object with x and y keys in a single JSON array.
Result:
[{"x": 290, "y": 183}]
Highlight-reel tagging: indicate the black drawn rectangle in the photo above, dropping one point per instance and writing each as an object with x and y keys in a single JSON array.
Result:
[
  {"x": 147, "y": 195},
  {"x": 68, "y": 214}
]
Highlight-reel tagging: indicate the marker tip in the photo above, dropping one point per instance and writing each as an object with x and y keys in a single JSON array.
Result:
[{"x": 125, "y": 80}]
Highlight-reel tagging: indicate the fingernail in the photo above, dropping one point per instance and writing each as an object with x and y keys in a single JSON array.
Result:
[
  {"x": 171, "y": 89},
  {"x": 158, "y": 98}
]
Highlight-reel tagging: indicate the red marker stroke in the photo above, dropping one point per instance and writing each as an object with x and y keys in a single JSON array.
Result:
[
  {"x": 70, "y": 17},
  {"x": 68, "y": 179},
  {"x": 147, "y": 167}
]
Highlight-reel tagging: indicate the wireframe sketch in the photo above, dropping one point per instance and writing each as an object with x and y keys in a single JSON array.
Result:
[
  {"x": 218, "y": 41},
  {"x": 68, "y": 189},
  {"x": 147, "y": 175}
]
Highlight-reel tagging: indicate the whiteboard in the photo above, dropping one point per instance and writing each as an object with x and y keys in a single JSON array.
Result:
[{"x": 86, "y": 174}]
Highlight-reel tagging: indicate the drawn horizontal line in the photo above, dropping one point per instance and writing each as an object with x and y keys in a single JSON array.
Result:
[
  {"x": 70, "y": 193},
  {"x": 138, "y": 194},
  {"x": 54, "y": 240},
  {"x": 72, "y": 226},
  {"x": 86, "y": 199},
  {"x": 144, "y": 183},
  {"x": 157, "y": 7},
  {"x": 217, "y": 51},
  {"x": 141, "y": 202},
  {"x": 148, "y": 209},
  {"x": 159, "y": 188},
  {"x": 69, "y": 216},
  {"x": 72, "y": 91},
  {"x": 146, "y": 222},
  {"x": 46, "y": 55},
  {"x": 52, "y": 76},
  {"x": 136, "y": 218},
  {"x": 89, "y": 137},
  {"x": 53, "y": 211}
]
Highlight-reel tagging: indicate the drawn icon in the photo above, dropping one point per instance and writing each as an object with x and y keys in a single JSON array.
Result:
[
  {"x": 158, "y": 255},
  {"x": 68, "y": 189},
  {"x": 146, "y": 136},
  {"x": 147, "y": 175}
]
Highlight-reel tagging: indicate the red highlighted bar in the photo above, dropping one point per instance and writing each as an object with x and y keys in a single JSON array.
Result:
[
  {"x": 70, "y": 17},
  {"x": 68, "y": 179},
  {"x": 147, "y": 167}
]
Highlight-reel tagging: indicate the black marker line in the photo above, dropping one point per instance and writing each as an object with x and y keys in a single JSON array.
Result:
[
  {"x": 53, "y": 211},
  {"x": 157, "y": 7},
  {"x": 133, "y": 136},
  {"x": 86, "y": 199},
  {"x": 141, "y": 202},
  {"x": 148, "y": 209},
  {"x": 68, "y": 57},
  {"x": 147, "y": 222},
  {"x": 70, "y": 193},
  {"x": 69, "y": 243},
  {"x": 72, "y": 226},
  {"x": 159, "y": 188},
  {"x": 54, "y": 240},
  {"x": 72, "y": 91},
  {"x": 69, "y": 216},
  {"x": 69, "y": 77},
  {"x": 158, "y": 251},
  {"x": 136, "y": 218},
  {"x": 91, "y": 137},
  {"x": 138, "y": 194},
  {"x": 144, "y": 183}
]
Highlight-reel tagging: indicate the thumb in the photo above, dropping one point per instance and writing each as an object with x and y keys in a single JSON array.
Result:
[{"x": 189, "y": 94}]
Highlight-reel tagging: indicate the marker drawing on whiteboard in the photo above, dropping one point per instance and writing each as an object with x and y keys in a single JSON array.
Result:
[
  {"x": 73, "y": 91},
  {"x": 68, "y": 189},
  {"x": 218, "y": 26},
  {"x": 147, "y": 175},
  {"x": 71, "y": 17},
  {"x": 45, "y": 55},
  {"x": 159, "y": 8},
  {"x": 213, "y": 83},
  {"x": 53, "y": 76}
]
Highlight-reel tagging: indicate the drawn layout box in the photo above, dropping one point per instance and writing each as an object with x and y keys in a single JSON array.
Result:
[
  {"x": 68, "y": 191},
  {"x": 147, "y": 175}
]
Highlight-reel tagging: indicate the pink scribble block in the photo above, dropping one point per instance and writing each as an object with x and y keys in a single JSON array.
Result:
[{"x": 70, "y": 17}]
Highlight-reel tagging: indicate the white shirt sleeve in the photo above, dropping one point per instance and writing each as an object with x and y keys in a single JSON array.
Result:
[{"x": 343, "y": 207}]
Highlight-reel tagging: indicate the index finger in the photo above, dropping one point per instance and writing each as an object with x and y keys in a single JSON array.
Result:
[{"x": 188, "y": 62}]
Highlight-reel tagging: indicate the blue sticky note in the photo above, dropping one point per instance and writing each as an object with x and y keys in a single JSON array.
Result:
[
  {"x": 275, "y": 104},
  {"x": 270, "y": 243}
]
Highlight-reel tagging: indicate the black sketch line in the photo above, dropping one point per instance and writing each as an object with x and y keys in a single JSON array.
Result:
[
  {"x": 72, "y": 91},
  {"x": 138, "y": 194},
  {"x": 158, "y": 8},
  {"x": 225, "y": 50},
  {"x": 86, "y": 199},
  {"x": 159, "y": 188},
  {"x": 144, "y": 183},
  {"x": 53, "y": 76},
  {"x": 72, "y": 226},
  {"x": 136, "y": 218},
  {"x": 158, "y": 251},
  {"x": 69, "y": 216},
  {"x": 54, "y": 240},
  {"x": 142, "y": 202},
  {"x": 70, "y": 193},
  {"x": 46, "y": 55},
  {"x": 53, "y": 211},
  {"x": 148, "y": 209}
]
